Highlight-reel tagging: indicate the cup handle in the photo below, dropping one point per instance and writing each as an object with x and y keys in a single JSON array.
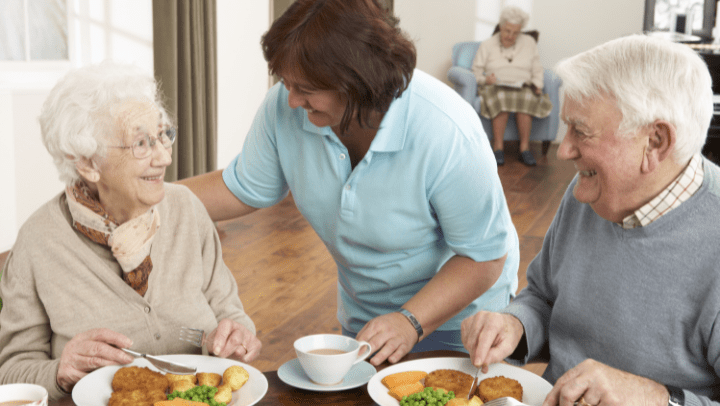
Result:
[{"x": 365, "y": 354}]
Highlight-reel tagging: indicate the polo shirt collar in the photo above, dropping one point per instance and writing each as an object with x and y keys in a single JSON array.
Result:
[{"x": 392, "y": 135}]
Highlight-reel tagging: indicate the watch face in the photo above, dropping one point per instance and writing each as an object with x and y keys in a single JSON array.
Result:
[
  {"x": 677, "y": 396},
  {"x": 411, "y": 318}
]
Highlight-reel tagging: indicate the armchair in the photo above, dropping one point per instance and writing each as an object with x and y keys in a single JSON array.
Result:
[{"x": 463, "y": 81}]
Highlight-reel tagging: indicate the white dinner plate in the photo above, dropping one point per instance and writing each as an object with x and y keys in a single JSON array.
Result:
[
  {"x": 95, "y": 388},
  {"x": 292, "y": 374},
  {"x": 535, "y": 388}
]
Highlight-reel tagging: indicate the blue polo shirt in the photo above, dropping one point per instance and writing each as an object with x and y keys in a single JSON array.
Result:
[{"x": 426, "y": 190}]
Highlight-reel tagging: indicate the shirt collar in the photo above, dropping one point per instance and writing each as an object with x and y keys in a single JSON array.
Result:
[{"x": 679, "y": 191}]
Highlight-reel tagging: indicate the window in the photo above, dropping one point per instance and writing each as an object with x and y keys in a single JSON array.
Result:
[{"x": 34, "y": 30}]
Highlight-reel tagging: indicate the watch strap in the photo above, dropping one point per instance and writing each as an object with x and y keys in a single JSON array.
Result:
[
  {"x": 411, "y": 318},
  {"x": 677, "y": 396}
]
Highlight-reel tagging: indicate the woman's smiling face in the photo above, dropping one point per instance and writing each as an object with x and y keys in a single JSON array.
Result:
[
  {"x": 325, "y": 108},
  {"x": 129, "y": 187}
]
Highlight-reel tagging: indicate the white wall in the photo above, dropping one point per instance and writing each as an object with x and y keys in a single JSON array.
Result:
[
  {"x": 434, "y": 26},
  {"x": 242, "y": 72},
  {"x": 568, "y": 27},
  {"x": 7, "y": 172}
]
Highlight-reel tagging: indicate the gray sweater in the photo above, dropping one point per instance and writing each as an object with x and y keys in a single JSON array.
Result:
[
  {"x": 644, "y": 300},
  {"x": 57, "y": 283}
]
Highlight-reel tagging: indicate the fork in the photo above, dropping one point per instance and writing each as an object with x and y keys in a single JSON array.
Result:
[
  {"x": 194, "y": 336},
  {"x": 506, "y": 401}
]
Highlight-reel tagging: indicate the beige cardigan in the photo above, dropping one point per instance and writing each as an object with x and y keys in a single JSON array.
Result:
[
  {"x": 525, "y": 66},
  {"x": 57, "y": 283}
]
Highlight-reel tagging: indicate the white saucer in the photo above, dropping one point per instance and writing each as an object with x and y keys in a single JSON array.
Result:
[{"x": 292, "y": 374}]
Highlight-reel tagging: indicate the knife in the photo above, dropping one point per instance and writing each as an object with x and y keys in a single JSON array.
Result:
[
  {"x": 475, "y": 384},
  {"x": 164, "y": 365}
]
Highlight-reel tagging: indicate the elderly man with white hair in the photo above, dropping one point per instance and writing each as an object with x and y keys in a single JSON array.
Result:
[{"x": 624, "y": 297}]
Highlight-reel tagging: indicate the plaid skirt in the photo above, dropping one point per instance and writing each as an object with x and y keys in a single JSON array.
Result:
[{"x": 497, "y": 99}]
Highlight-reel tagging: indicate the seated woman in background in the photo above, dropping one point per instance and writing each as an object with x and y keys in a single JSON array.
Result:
[
  {"x": 510, "y": 80},
  {"x": 119, "y": 259}
]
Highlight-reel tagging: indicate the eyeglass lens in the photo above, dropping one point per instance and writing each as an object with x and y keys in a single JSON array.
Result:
[{"x": 143, "y": 147}]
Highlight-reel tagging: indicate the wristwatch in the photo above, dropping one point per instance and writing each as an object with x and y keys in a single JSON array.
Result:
[
  {"x": 677, "y": 396},
  {"x": 411, "y": 318}
]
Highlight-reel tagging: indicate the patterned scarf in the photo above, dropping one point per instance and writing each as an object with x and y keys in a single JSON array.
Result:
[{"x": 129, "y": 242}]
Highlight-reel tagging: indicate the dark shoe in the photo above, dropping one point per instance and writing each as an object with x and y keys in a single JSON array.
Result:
[
  {"x": 527, "y": 158},
  {"x": 499, "y": 157}
]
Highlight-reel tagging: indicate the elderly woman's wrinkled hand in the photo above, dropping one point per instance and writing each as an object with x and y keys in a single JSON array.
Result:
[
  {"x": 390, "y": 335},
  {"x": 490, "y": 337},
  {"x": 89, "y": 351},
  {"x": 599, "y": 384},
  {"x": 233, "y": 340}
]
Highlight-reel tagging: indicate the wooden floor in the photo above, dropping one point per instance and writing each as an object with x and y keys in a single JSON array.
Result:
[{"x": 287, "y": 278}]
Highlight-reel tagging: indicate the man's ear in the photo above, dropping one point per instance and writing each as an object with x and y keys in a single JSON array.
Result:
[
  {"x": 661, "y": 143},
  {"x": 88, "y": 169}
]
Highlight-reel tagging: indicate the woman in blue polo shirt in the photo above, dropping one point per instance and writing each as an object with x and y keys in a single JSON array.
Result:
[{"x": 390, "y": 167}]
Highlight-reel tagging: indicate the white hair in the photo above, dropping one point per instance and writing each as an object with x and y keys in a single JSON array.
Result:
[
  {"x": 649, "y": 79},
  {"x": 77, "y": 118},
  {"x": 513, "y": 15}
]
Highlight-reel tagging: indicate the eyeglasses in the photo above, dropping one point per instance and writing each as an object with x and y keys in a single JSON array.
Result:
[{"x": 143, "y": 147}]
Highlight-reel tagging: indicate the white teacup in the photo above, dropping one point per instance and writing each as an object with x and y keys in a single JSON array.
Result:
[
  {"x": 327, "y": 358},
  {"x": 33, "y": 395}
]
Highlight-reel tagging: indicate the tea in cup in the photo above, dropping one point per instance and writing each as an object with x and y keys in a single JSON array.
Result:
[
  {"x": 327, "y": 358},
  {"x": 17, "y": 394}
]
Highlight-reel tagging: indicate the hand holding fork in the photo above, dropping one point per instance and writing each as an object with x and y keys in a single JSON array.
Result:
[{"x": 229, "y": 340}]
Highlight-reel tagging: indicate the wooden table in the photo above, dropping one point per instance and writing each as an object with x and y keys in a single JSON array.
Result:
[{"x": 281, "y": 394}]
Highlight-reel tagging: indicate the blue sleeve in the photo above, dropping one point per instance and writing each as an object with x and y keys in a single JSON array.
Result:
[
  {"x": 468, "y": 199},
  {"x": 256, "y": 176}
]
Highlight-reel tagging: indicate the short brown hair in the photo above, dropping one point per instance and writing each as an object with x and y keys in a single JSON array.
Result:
[{"x": 351, "y": 46}]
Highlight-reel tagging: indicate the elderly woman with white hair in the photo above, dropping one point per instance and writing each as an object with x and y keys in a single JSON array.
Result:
[
  {"x": 623, "y": 300},
  {"x": 119, "y": 259},
  {"x": 510, "y": 80}
]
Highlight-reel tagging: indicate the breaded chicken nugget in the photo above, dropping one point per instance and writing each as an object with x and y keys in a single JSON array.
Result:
[
  {"x": 235, "y": 377},
  {"x": 450, "y": 380},
  {"x": 173, "y": 377},
  {"x": 224, "y": 394},
  {"x": 137, "y": 397},
  {"x": 181, "y": 385},
  {"x": 132, "y": 378},
  {"x": 498, "y": 387},
  {"x": 209, "y": 379}
]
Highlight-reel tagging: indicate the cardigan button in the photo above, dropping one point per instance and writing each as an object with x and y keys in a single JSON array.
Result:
[
  {"x": 147, "y": 309},
  {"x": 157, "y": 336}
]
